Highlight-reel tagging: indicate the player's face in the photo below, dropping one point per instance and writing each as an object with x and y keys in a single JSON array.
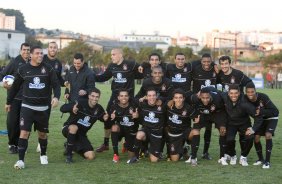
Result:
[
  {"x": 52, "y": 49},
  {"x": 206, "y": 63},
  {"x": 205, "y": 98},
  {"x": 151, "y": 97},
  {"x": 154, "y": 61},
  {"x": 157, "y": 75},
  {"x": 116, "y": 56},
  {"x": 93, "y": 99},
  {"x": 251, "y": 93},
  {"x": 178, "y": 100},
  {"x": 36, "y": 56},
  {"x": 78, "y": 64},
  {"x": 180, "y": 61},
  {"x": 123, "y": 97},
  {"x": 25, "y": 52},
  {"x": 234, "y": 95},
  {"x": 225, "y": 66}
]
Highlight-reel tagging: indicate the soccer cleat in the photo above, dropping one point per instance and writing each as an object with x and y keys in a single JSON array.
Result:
[
  {"x": 102, "y": 148},
  {"x": 69, "y": 160},
  {"x": 19, "y": 164},
  {"x": 233, "y": 160},
  {"x": 222, "y": 161},
  {"x": 243, "y": 161},
  {"x": 194, "y": 162},
  {"x": 266, "y": 165},
  {"x": 116, "y": 158},
  {"x": 13, "y": 149},
  {"x": 227, "y": 157},
  {"x": 258, "y": 162},
  {"x": 38, "y": 149},
  {"x": 189, "y": 160},
  {"x": 44, "y": 160},
  {"x": 206, "y": 156},
  {"x": 132, "y": 160}
]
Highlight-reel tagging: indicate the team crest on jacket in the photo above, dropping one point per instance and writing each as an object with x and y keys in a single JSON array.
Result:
[
  {"x": 185, "y": 69},
  {"x": 130, "y": 110},
  {"x": 124, "y": 67},
  {"x": 184, "y": 113},
  {"x": 232, "y": 81},
  {"x": 22, "y": 122},
  {"x": 212, "y": 107},
  {"x": 214, "y": 74},
  {"x": 56, "y": 66},
  {"x": 43, "y": 70},
  {"x": 95, "y": 113},
  {"x": 261, "y": 103},
  {"x": 163, "y": 87},
  {"x": 159, "y": 108}
]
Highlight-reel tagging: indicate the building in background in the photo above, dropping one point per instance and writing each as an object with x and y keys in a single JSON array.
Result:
[{"x": 7, "y": 22}]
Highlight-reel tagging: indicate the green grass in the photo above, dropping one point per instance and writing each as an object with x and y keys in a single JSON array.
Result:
[{"x": 102, "y": 170}]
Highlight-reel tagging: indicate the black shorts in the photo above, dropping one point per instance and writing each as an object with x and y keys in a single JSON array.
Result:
[
  {"x": 267, "y": 126},
  {"x": 39, "y": 118},
  {"x": 233, "y": 129},
  {"x": 219, "y": 118},
  {"x": 154, "y": 137},
  {"x": 81, "y": 145}
]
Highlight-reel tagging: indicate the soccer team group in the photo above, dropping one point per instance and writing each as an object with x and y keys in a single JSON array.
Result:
[{"x": 175, "y": 102}]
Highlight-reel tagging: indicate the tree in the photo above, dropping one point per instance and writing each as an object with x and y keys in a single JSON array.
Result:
[
  {"x": 170, "y": 54},
  {"x": 271, "y": 60},
  {"x": 78, "y": 46},
  {"x": 20, "y": 21},
  {"x": 129, "y": 54},
  {"x": 32, "y": 41}
]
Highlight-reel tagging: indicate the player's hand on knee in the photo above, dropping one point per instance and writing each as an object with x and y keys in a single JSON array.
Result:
[
  {"x": 54, "y": 102},
  {"x": 197, "y": 119},
  {"x": 82, "y": 92},
  {"x": 7, "y": 108},
  {"x": 75, "y": 108},
  {"x": 113, "y": 115},
  {"x": 222, "y": 131},
  {"x": 140, "y": 69}
]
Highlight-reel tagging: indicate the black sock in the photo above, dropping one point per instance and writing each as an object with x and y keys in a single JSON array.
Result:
[
  {"x": 114, "y": 136},
  {"x": 70, "y": 143},
  {"x": 23, "y": 143},
  {"x": 248, "y": 146},
  {"x": 195, "y": 146},
  {"x": 43, "y": 146},
  {"x": 106, "y": 141},
  {"x": 207, "y": 138},
  {"x": 268, "y": 150},
  {"x": 259, "y": 150},
  {"x": 222, "y": 145},
  {"x": 231, "y": 148},
  {"x": 137, "y": 147}
]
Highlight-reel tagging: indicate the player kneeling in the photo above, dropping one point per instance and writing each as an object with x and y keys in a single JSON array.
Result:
[
  {"x": 124, "y": 114},
  {"x": 83, "y": 114}
]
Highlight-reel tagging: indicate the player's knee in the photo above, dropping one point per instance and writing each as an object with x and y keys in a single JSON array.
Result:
[
  {"x": 24, "y": 134},
  {"x": 140, "y": 135},
  {"x": 73, "y": 129},
  {"x": 42, "y": 135},
  {"x": 195, "y": 132},
  {"x": 174, "y": 158},
  {"x": 268, "y": 135},
  {"x": 153, "y": 158},
  {"x": 89, "y": 155},
  {"x": 115, "y": 128}
]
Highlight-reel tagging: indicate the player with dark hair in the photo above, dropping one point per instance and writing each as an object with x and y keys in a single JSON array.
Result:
[
  {"x": 211, "y": 108},
  {"x": 124, "y": 114},
  {"x": 36, "y": 79},
  {"x": 180, "y": 73},
  {"x": 239, "y": 111},
  {"x": 13, "y": 117},
  {"x": 204, "y": 75},
  {"x": 83, "y": 114},
  {"x": 79, "y": 79},
  {"x": 152, "y": 117},
  {"x": 179, "y": 129},
  {"x": 270, "y": 115}
]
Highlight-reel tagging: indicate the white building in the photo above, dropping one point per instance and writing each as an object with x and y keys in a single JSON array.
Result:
[
  {"x": 145, "y": 38},
  {"x": 7, "y": 22},
  {"x": 10, "y": 43}
]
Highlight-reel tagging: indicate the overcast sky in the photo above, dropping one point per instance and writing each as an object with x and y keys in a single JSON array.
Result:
[{"x": 116, "y": 17}]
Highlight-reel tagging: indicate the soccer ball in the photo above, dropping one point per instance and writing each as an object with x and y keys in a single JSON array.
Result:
[{"x": 9, "y": 79}]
